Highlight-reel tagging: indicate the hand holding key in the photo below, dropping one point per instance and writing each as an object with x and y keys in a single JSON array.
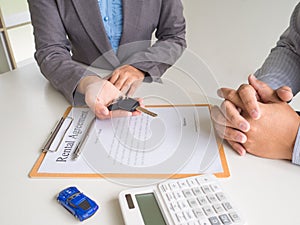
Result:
[{"x": 130, "y": 105}]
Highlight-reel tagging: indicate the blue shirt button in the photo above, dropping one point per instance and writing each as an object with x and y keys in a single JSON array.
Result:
[{"x": 106, "y": 18}]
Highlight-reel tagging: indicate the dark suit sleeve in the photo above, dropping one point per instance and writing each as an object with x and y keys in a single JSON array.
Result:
[
  {"x": 170, "y": 43},
  {"x": 282, "y": 66},
  {"x": 53, "y": 48}
]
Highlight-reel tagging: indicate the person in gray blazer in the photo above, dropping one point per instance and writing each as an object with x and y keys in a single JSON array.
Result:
[
  {"x": 112, "y": 35},
  {"x": 256, "y": 117}
]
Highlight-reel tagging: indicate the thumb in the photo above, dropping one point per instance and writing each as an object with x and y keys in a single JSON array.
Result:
[
  {"x": 285, "y": 93},
  {"x": 101, "y": 111},
  {"x": 265, "y": 92}
]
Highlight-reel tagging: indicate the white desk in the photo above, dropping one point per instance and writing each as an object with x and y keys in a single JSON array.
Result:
[{"x": 266, "y": 191}]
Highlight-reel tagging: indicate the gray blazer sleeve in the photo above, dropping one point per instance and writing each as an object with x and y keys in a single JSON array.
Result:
[
  {"x": 53, "y": 49},
  {"x": 282, "y": 66}
]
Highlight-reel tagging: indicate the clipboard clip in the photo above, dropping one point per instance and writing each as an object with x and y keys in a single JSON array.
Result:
[{"x": 57, "y": 134}]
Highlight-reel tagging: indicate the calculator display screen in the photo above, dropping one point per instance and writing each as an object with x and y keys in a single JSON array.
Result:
[{"x": 149, "y": 209}]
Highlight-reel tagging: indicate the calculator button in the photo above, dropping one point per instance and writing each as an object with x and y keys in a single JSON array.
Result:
[
  {"x": 208, "y": 210},
  {"x": 170, "y": 196},
  {"x": 179, "y": 217},
  {"x": 178, "y": 195},
  {"x": 188, "y": 215},
  {"x": 215, "y": 187},
  {"x": 218, "y": 208},
  {"x": 212, "y": 198},
  {"x": 174, "y": 186},
  {"x": 165, "y": 188},
  {"x": 197, "y": 191},
  {"x": 183, "y": 184},
  {"x": 193, "y": 223},
  {"x": 193, "y": 202},
  {"x": 225, "y": 219},
  {"x": 221, "y": 196},
  {"x": 192, "y": 182},
  {"x": 187, "y": 193},
  {"x": 227, "y": 206},
  {"x": 202, "y": 200},
  {"x": 235, "y": 217},
  {"x": 214, "y": 220},
  {"x": 198, "y": 212},
  {"x": 183, "y": 204},
  {"x": 206, "y": 189},
  {"x": 174, "y": 206},
  {"x": 204, "y": 222}
]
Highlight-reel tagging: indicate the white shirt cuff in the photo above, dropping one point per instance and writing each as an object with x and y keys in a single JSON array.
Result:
[{"x": 296, "y": 151}]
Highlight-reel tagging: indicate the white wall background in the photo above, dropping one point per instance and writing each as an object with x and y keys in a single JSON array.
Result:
[{"x": 234, "y": 36}]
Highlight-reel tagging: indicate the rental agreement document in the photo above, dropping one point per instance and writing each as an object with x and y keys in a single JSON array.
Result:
[{"x": 179, "y": 142}]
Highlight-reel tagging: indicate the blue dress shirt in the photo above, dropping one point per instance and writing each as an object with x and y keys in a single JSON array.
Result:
[{"x": 112, "y": 17}]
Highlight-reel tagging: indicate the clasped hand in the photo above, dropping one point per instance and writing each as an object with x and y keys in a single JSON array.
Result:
[
  {"x": 256, "y": 119},
  {"x": 127, "y": 79}
]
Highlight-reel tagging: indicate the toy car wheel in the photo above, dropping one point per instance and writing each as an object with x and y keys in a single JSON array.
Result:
[{"x": 77, "y": 217}]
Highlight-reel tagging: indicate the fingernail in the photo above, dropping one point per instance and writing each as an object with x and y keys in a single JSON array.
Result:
[
  {"x": 255, "y": 114},
  {"x": 244, "y": 126},
  {"x": 242, "y": 152},
  {"x": 241, "y": 138},
  {"x": 219, "y": 92},
  {"x": 105, "y": 111},
  {"x": 253, "y": 77}
]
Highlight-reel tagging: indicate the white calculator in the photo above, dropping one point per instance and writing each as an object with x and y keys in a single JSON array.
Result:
[{"x": 196, "y": 200}]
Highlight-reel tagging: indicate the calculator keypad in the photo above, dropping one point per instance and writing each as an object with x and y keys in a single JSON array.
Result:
[{"x": 198, "y": 200}]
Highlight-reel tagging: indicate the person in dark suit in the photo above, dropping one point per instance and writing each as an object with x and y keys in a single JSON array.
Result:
[{"x": 112, "y": 35}]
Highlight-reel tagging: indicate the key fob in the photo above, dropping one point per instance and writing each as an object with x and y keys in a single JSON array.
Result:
[{"x": 127, "y": 104}]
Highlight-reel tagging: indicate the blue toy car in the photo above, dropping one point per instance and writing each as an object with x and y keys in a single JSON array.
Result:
[{"x": 81, "y": 206}]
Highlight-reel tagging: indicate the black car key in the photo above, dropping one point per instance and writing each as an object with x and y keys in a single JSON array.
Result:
[{"x": 130, "y": 105}]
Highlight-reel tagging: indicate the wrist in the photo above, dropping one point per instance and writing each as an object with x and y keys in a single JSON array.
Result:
[
  {"x": 141, "y": 72},
  {"x": 296, "y": 148},
  {"x": 85, "y": 82}
]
